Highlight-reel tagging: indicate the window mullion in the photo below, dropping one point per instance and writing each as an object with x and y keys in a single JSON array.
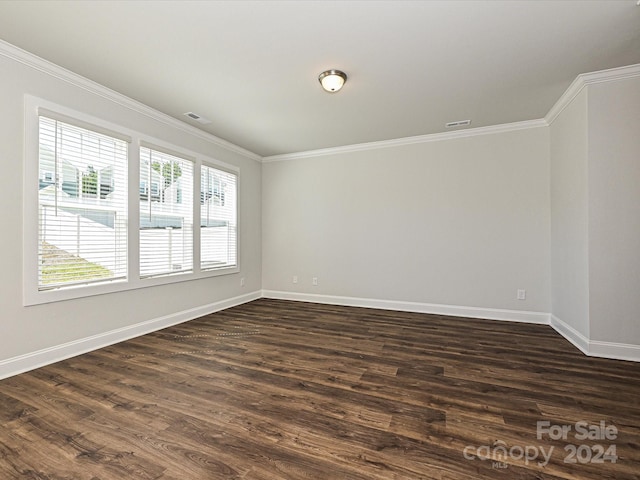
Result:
[
  {"x": 133, "y": 224},
  {"x": 197, "y": 211}
]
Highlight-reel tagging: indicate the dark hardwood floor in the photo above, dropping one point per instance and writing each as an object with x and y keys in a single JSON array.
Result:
[{"x": 288, "y": 390}]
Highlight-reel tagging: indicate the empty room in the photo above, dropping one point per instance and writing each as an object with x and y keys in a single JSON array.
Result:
[{"x": 320, "y": 240}]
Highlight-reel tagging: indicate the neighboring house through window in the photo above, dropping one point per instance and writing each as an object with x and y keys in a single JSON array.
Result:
[
  {"x": 82, "y": 205},
  {"x": 166, "y": 213},
  {"x": 81, "y": 237},
  {"x": 218, "y": 222}
]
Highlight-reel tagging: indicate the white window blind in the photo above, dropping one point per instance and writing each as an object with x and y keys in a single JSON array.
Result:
[
  {"x": 82, "y": 205},
  {"x": 166, "y": 213},
  {"x": 218, "y": 218}
]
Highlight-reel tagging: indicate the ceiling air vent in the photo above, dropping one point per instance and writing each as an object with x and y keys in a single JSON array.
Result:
[
  {"x": 459, "y": 123},
  {"x": 198, "y": 118}
]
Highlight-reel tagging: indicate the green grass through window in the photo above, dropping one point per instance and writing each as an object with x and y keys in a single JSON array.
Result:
[{"x": 60, "y": 266}]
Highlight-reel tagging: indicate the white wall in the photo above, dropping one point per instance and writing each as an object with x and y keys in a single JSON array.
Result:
[
  {"x": 459, "y": 222},
  {"x": 614, "y": 211},
  {"x": 595, "y": 225},
  {"x": 24, "y": 330},
  {"x": 455, "y": 222},
  {"x": 569, "y": 216}
]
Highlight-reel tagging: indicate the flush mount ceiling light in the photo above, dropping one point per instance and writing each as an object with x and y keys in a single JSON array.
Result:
[{"x": 332, "y": 80}]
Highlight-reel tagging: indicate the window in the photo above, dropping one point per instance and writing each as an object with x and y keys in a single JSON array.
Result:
[
  {"x": 107, "y": 209},
  {"x": 218, "y": 226},
  {"x": 82, "y": 205},
  {"x": 166, "y": 213}
]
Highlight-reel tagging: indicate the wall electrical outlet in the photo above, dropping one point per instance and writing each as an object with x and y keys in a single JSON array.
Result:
[
  {"x": 315, "y": 281},
  {"x": 522, "y": 295},
  {"x": 242, "y": 281},
  {"x": 295, "y": 279}
]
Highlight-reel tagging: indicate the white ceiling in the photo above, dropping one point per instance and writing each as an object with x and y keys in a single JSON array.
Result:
[{"x": 252, "y": 66}]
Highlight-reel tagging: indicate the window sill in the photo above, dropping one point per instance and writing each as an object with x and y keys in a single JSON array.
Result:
[{"x": 88, "y": 290}]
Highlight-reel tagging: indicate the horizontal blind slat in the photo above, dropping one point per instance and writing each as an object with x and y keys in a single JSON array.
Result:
[
  {"x": 82, "y": 205},
  {"x": 44, "y": 112},
  {"x": 166, "y": 213},
  {"x": 218, "y": 232}
]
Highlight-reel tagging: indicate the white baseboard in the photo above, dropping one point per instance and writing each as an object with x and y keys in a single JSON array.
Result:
[
  {"x": 617, "y": 351},
  {"x": 40, "y": 358},
  {"x": 596, "y": 348},
  {"x": 568, "y": 332},
  {"x": 47, "y": 356},
  {"x": 433, "y": 308}
]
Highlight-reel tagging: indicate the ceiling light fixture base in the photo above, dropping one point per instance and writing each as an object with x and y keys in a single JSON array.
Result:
[{"x": 332, "y": 80}]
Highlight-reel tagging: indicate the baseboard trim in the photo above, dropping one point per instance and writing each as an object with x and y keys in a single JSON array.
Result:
[
  {"x": 24, "y": 363},
  {"x": 571, "y": 334},
  {"x": 30, "y": 361},
  {"x": 592, "y": 348},
  {"x": 432, "y": 308},
  {"x": 596, "y": 348},
  {"x": 616, "y": 351}
]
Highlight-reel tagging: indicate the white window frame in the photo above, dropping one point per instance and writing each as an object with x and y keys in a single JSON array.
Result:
[
  {"x": 31, "y": 293},
  {"x": 180, "y": 155},
  {"x": 233, "y": 171}
]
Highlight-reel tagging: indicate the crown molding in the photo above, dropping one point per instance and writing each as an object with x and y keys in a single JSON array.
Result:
[
  {"x": 397, "y": 142},
  {"x": 33, "y": 61},
  {"x": 592, "y": 78},
  {"x": 581, "y": 81}
]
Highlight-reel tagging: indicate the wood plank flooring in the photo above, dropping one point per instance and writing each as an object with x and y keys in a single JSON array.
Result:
[{"x": 289, "y": 390}]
